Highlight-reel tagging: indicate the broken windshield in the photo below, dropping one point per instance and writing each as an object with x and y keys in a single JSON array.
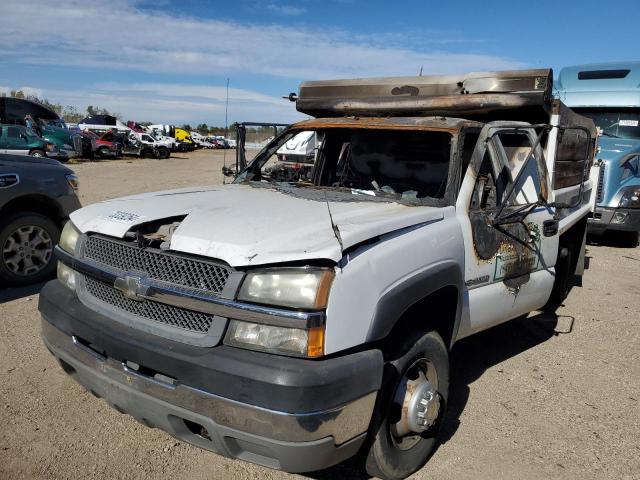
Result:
[{"x": 406, "y": 165}]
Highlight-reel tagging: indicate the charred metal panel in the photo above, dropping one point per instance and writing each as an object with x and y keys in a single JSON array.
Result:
[
  {"x": 449, "y": 95},
  {"x": 451, "y": 125},
  {"x": 576, "y": 146}
]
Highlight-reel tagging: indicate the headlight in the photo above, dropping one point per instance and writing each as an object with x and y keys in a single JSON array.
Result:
[
  {"x": 630, "y": 198},
  {"x": 69, "y": 238},
  {"x": 67, "y": 276},
  {"x": 288, "y": 287},
  {"x": 73, "y": 181},
  {"x": 267, "y": 338}
]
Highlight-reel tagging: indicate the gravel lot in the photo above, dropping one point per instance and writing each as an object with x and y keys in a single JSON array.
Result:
[{"x": 542, "y": 397}]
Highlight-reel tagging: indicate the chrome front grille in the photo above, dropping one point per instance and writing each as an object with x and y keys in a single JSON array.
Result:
[
  {"x": 175, "y": 269},
  {"x": 600, "y": 187},
  {"x": 179, "y": 272},
  {"x": 159, "y": 312}
]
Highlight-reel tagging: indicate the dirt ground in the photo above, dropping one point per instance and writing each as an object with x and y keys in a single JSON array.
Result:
[{"x": 539, "y": 398}]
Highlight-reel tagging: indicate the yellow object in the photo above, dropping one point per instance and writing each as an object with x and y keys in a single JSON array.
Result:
[{"x": 183, "y": 136}]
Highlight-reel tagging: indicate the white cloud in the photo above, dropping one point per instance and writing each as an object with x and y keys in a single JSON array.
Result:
[
  {"x": 31, "y": 91},
  {"x": 284, "y": 9},
  {"x": 177, "y": 104},
  {"x": 118, "y": 35}
]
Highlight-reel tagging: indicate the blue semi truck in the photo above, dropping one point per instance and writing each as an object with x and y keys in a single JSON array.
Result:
[{"x": 609, "y": 94}]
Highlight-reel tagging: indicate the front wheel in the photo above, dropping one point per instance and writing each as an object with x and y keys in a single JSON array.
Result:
[
  {"x": 27, "y": 242},
  {"x": 37, "y": 153},
  {"x": 410, "y": 408},
  {"x": 163, "y": 153},
  {"x": 103, "y": 152}
]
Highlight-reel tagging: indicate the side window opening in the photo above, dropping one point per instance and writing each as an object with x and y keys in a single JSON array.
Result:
[
  {"x": 517, "y": 147},
  {"x": 13, "y": 132},
  {"x": 485, "y": 192}
]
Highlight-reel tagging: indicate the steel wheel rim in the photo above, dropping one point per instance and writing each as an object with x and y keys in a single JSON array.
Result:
[
  {"x": 27, "y": 250},
  {"x": 421, "y": 372},
  {"x": 36, "y": 154}
]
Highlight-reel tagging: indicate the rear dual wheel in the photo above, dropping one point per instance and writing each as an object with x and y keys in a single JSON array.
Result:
[{"x": 410, "y": 408}]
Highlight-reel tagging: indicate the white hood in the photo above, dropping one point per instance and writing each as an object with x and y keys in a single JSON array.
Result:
[{"x": 244, "y": 225}]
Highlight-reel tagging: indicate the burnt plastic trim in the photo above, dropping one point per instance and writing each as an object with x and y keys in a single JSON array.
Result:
[{"x": 397, "y": 301}]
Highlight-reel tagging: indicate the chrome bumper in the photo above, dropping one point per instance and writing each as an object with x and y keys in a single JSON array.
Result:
[{"x": 115, "y": 381}]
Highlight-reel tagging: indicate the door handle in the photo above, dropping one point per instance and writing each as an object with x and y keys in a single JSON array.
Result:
[{"x": 550, "y": 228}]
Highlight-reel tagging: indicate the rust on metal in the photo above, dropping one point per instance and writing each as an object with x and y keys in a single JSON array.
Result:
[{"x": 451, "y": 125}]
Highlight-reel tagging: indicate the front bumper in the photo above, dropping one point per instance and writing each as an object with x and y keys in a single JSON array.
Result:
[
  {"x": 622, "y": 219},
  {"x": 292, "y": 414}
]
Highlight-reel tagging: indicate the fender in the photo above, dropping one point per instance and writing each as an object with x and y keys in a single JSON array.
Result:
[{"x": 396, "y": 301}]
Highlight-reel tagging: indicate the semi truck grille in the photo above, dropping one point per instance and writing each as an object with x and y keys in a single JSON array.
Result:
[
  {"x": 166, "y": 314},
  {"x": 600, "y": 188},
  {"x": 179, "y": 270}
]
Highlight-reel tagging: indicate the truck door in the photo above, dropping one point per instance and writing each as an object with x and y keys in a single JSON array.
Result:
[
  {"x": 15, "y": 141},
  {"x": 511, "y": 239},
  {"x": 3, "y": 146}
]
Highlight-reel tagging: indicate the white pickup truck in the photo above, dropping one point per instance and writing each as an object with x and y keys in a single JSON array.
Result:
[{"x": 295, "y": 324}]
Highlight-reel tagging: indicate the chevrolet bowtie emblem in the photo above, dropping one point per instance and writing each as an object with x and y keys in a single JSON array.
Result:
[{"x": 132, "y": 287}]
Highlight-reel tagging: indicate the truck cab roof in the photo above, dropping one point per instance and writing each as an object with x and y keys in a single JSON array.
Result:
[{"x": 600, "y": 85}]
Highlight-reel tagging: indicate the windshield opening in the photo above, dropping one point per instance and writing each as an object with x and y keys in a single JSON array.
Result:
[
  {"x": 615, "y": 122},
  {"x": 411, "y": 165}
]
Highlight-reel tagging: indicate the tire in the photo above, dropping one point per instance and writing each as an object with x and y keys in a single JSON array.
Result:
[
  {"x": 629, "y": 239},
  {"x": 103, "y": 152},
  {"x": 37, "y": 153},
  {"x": 163, "y": 153},
  {"x": 386, "y": 455},
  {"x": 24, "y": 264}
]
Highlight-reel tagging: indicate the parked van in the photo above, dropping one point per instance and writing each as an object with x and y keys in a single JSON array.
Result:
[
  {"x": 609, "y": 94},
  {"x": 20, "y": 140}
]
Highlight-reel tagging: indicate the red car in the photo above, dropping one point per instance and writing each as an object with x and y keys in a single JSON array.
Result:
[{"x": 105, "y": 144}]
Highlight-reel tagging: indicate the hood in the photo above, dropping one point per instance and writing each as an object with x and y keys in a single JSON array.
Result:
[
  {"x": 8, "y": 159},
  {"x": 243, "y": 225},
  {"x": 612, "y": 151}
]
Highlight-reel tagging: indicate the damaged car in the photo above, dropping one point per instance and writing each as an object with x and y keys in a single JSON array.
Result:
[{"x": 295, "y": 321}]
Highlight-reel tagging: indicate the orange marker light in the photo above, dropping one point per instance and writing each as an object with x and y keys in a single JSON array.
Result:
[{"x": 315, "y": 344}]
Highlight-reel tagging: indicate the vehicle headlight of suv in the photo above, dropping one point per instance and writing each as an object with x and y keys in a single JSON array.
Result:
[
  {"x": 68, "y": 241},
  {"x": 299, "y": 288},
  {"x": 630, "y": 197},
  {"x": 73, "y": 181}
]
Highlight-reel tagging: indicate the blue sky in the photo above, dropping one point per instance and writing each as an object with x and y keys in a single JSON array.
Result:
[{"x": 168, "y": 61}]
